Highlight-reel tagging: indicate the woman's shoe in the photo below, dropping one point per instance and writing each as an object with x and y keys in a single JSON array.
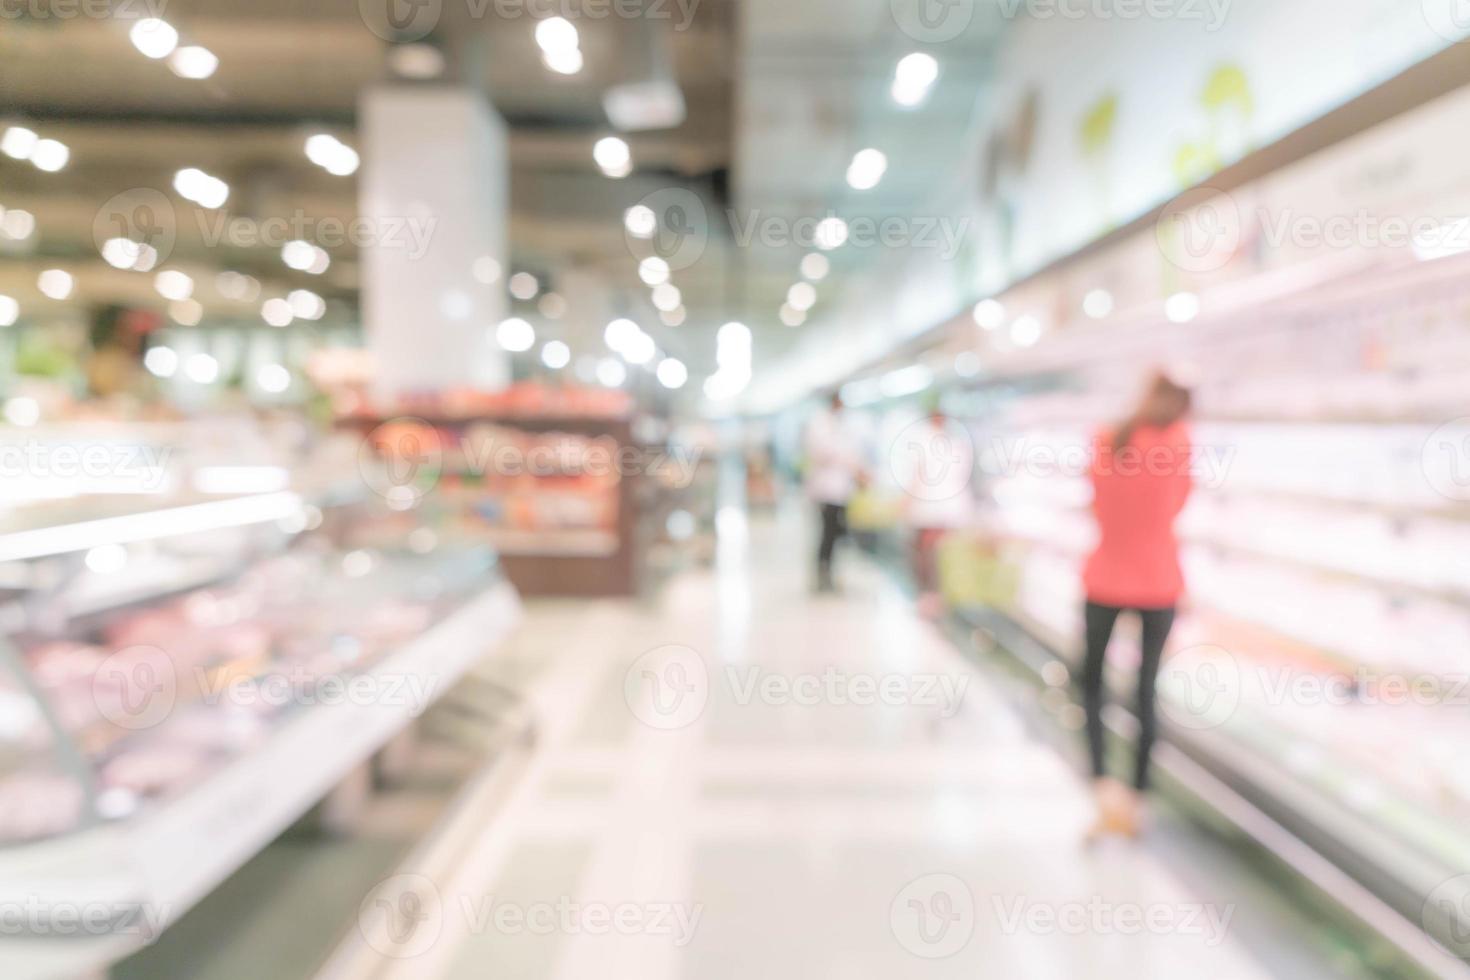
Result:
[{"x": 1118, "y": 810}]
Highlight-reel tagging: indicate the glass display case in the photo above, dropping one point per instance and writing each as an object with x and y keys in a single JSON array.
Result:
[{"x": 183, "y": 674}]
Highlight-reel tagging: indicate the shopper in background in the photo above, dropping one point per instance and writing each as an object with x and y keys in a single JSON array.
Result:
[
  {"x": 937, "y": 497},
  {"x": 833, "y": 468},
  {"x": 1140, "y": 480}
]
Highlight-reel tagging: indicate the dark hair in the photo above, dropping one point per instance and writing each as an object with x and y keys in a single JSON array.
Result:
[{"x": 1164, "y": 403}]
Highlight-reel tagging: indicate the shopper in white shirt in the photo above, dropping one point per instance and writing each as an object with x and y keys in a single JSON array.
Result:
[
  {"x": 833, "y": 469},
  {"x": 936, "y": 458}
]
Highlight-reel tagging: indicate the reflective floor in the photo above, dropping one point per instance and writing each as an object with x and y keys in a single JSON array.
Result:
[{"x": 748, "y": 781}]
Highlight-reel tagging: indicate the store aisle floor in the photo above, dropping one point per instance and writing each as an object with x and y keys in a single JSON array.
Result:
[{"x": 725, "y": 810}]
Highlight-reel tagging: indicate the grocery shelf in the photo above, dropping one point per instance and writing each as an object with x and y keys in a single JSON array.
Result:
[{"x": 1364, "y": 872}]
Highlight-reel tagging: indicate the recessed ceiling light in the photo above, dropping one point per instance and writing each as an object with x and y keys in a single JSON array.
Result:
[
  {"x": 613, "y": 156},
  {"x": 55, "y": 283},
  {"x": 802, "y": 296},
  {"x": 653, "y": 271},
  {"x": 913, "y": 78},
  {"x": 186, "y": 312},
  {"x": 640, "y": 221},
  {"x": 193, "y": 62},
  {"x": 18, "y": 142},
  {"x": 791, "y": 317},
  {"x": 515, "y": 335},
  {"x": 523, "y": 286},
  {"x": 1181, "y": 307},
  {"x": 154, "y": 38},
  {"x": 666, "y": 297},
  {"x": 815, "y": 266},
  {"x": 552, "y": 306},
  {"x": 556, "y": 355},
  {"x": 989, "y": 314},
  {"x": 867, "y": 169},
  {"x": 1026, "y": 331},
  {"x": 672, "y": 373},
  {"x": 674, "y": 318},
  {"x": 50, "y": 155},
  {"x": 1098, "y": 303},
  {"x": 417, "y": 61},
  {"x": 831, "y": 233}
]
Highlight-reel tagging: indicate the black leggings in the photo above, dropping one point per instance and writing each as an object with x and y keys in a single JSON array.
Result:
[
  {"x": 834, "y": 526},
  {"x": 1100, "y": 622}
]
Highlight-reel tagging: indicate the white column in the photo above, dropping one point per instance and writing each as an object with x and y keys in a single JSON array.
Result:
[{"x": 434, "y": 193}]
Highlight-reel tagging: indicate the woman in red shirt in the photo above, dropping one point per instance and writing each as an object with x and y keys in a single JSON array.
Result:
[{"x": 1140, "y": 481}]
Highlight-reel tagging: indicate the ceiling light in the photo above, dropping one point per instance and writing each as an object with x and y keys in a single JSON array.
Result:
[
  {"x": 989, "y": 314},
  {"x": 831, "y": 233},
  {"x": 515, "y": 335},
  {"x": 9, "y": 310},
  {"x": 202, "y": 369},
  {"x": 298, "y": 254},
  {"x": 967, "y": 364},
  {"x": 556, "y": 34},
  {"x": 161, "y": 362},
  {"x": 18, "y": 224},
  {"x": 486, "y": 270},
  {"x": 186, "y": 312},
  {"x": 563, "y": 62},
  {"x": 50, "y": 155},
  {"x": 235, "y": 286},
  {"x": 666, "y": 297},
  {"x": 277, "y": 312},
  {"x": 653, "y": 271},
  {"x": 23, "y": 411},
  {"x": 866, "y": 170},
  {"x": 193, "y": 62},
  {"x": 672, "y": 373},
  {"x": 332, "y": 155},
  {"x": 801, "y": 297},
  {"x": 416, "y": 60},
  {"x": 306, "y": 305},
  {"x": 639, "y": 349},
  {"x": 640, "y": 221},
  {"x": 1098, "y": 303},
  {"x": 173, "y": 284},
  {"x": 55, "y": 283},
  {"x": 636, "y": 107},
  {"x": 611, "y": 373},
  {"x": 18, "y": 142},
  {"x": 815, "y": 266},
  {"x": 674, "y": 318},
  {"x": 552, "y": 306},
  {"x": 620, "y": 333},
  {"x": 913, "y": 77},
  {"x": 195, "y": 185},
  {"x": 791, "y": 317},
  {"x": 154, "y": 38},
  {"x": 613, "y": 156},
  {"x": 1026, "y": 331},
  {"x": 556, "y": 355},
  {"x": 123, "y": 253},
  {"x": 523, "y": 286},
  {"x": 273, "y": 378},
  {"x": 1181, "y": 307}
]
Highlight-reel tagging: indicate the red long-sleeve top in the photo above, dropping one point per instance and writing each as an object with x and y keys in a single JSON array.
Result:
[{"x": 1137, "y": 494}]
